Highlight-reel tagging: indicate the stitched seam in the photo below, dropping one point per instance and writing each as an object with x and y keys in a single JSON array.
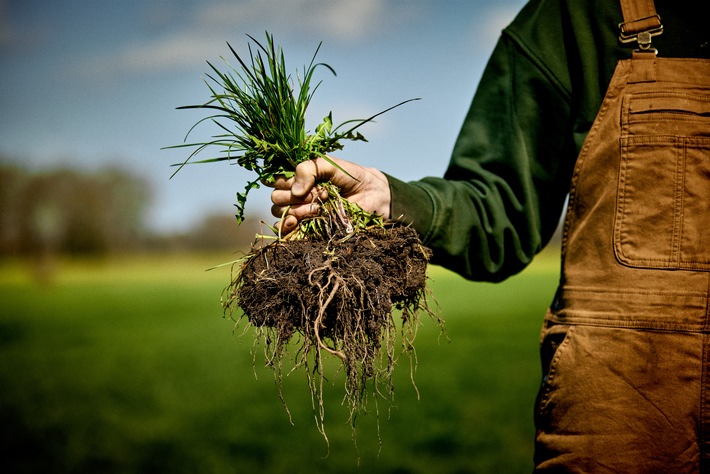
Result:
[{"x": 677, "y": 204}]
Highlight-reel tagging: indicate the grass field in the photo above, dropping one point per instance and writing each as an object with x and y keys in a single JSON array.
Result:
[{"x": 125, "y": 365}]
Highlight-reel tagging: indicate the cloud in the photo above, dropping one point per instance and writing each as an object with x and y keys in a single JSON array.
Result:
[
  {"x": 338, "y": 20},
  {"x": 209, "y": 26},
  {"x": 168, "y": 53},
  {"x": 205, "y": 27}
]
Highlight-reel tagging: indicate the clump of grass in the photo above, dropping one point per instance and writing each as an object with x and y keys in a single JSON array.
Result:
[
  {"x": 336, "y": 280},
  {"x": 263, "y": 117}
]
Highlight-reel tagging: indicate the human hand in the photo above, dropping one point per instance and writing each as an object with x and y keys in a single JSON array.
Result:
[{"x": 366, "y": 187}]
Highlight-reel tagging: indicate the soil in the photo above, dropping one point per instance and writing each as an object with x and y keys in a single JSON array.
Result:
[{"x": 339, "y": 297}]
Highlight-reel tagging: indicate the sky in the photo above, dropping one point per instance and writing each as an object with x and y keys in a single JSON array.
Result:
[{"x": 96, "y": 83}]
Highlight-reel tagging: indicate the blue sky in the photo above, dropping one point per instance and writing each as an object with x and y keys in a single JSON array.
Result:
[{"x": 91, "y": 83}]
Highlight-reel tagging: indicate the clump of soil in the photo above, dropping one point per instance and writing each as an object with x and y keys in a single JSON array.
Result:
[{"x": 338, "y": 297}]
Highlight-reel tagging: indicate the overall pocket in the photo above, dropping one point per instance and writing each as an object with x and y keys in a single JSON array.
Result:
[
  {"x": 554, "y": 339},
  {"x": 663, "y": 196}
]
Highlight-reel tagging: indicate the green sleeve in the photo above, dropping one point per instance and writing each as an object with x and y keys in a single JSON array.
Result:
[{"x": 503, "y": 193}]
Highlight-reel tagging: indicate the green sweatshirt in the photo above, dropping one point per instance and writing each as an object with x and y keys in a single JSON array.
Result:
[{"x": 504, "y": 191}]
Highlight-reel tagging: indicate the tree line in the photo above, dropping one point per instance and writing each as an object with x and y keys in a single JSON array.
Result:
[{"x": 70, "y": 211}]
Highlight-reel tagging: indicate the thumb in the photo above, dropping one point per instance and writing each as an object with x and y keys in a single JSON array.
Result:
[{"x": 308, "y": 173}]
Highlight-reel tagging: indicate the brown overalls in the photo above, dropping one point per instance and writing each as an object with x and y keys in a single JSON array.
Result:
[{"x": 626, "y": 342}]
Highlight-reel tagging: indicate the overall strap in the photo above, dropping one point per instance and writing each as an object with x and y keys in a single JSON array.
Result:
[{"x": 641, "y": 23}]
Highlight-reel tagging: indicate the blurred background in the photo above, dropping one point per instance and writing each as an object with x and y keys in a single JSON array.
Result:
[
  {"x": 91, "y": 85},
  {"x": 114, "y": 352}
]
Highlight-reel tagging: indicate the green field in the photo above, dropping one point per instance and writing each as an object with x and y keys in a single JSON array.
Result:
[{"x": 126, "y": 365}]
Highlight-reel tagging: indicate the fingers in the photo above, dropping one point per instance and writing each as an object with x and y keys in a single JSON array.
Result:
[
  {"x": 299, "y": 211},
  {"x": 297, "y": 197},
  {"x": 285, "y": 203},
  {"x": 287, "y": 224},
  {"x": 285, "y": 197},
  {"x": 311, "y": 172},
  {"x": 281, "y": 182}
]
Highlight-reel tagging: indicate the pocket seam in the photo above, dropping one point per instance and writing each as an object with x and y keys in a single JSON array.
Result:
[{"x": 549, "y": 378}]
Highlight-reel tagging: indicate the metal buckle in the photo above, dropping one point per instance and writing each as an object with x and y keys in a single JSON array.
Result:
[{"x": 644, "y": 37}]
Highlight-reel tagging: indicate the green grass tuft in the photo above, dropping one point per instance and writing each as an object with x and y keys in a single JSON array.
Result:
[{"x": 260, "y": 113}]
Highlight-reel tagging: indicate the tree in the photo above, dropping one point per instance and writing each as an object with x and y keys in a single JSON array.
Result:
[{"x": 69, "y": 211}]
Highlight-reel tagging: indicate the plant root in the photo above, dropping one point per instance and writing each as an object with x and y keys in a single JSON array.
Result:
[{"x": 339, "y": 296}]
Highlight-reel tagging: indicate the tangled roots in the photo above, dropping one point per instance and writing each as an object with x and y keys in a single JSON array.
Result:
[{"x": 339, "y": 296}]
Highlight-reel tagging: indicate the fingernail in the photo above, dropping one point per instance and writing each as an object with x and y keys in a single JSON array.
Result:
[{"x": 297, "y": 189}]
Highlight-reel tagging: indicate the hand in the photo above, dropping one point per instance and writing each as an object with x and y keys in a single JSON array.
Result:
[{"x": 366, "y": 187}]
